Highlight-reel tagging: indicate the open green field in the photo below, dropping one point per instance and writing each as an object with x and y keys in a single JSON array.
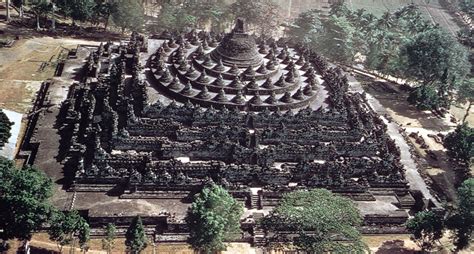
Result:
[
  {"x": 378, "y": 7},
  {"x": 431, "y": 9}
]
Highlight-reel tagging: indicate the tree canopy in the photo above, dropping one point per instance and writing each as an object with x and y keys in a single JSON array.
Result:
[
  {"x": 175, "y": 17},
  {"x": 109, "y": 241},
  {"x": 23, "y": 200},
  {"x": 432, "y": 53},
  {"x": 467, "y": 6},
  {"x": 426, "y": 228},
  {"x": 5, "y": 128},
  {"x": 401, "y": 43},
  {"x": 465, "y": 94},
  {"x": 213, "y": 218},
  {"x": 459, "y": 143},
  {"x": 462, "y": 220},
  {"x": 307, "y": 27},
  {"x": 65, "y": 226},
  {"x": 263, "y": 15},
  {"x": 81, "y": 10},
  {"x": 212, "y": 12},
  {"x": 135, "y": 237},
  {"x": 128, "y": 14},
  {"x": 323, "y": 221}
]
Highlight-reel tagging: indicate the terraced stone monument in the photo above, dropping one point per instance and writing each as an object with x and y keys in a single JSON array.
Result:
[{"x": 153, "y": 120}]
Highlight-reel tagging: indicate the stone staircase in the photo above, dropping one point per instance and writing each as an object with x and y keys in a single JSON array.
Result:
[
  {"x": 258, "y": 236},
  {"x": 255, "y": 202}
]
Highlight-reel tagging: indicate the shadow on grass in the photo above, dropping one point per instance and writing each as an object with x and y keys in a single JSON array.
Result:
[{"x": 395, "y": 247}]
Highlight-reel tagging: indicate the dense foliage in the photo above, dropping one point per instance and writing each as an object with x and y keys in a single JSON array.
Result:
[
  {"x": 459, "y": 143},
  {"x": 23, "y": 200},
  {"x": 461, "y": 222},
  {"x": 432, "y": 53},
  {"x": 402, "y": 43},
  {"x": 174, "y": 17},
  {"x": 307, "y": 27},
  {"x": 66, "y": 226},
  {"x": 467, "y": 6},
  {"x": 109, "y": 241},
  {"x": 128, "y": 14},
  {"x": 465, "y": 95},
  {"x": 424, "y": 98},
  {"x": 426, "y": 228},
  {"x": 42, "y": 9},
  {"x": 263, "y": 16},
  {"x": 5, "y": 128},
  {"x": 80, "y": 10},
  {"x": 323, "y": 222},
  {"x": 213, "y": 218},
  {"x": 203, "y": 13},
  {"x": 135, "y": 237}
]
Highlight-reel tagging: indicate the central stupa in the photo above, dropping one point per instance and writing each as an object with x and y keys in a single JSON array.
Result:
[
  {"x": 234, "y": 71},
  {"x": 238, "y": 48}
]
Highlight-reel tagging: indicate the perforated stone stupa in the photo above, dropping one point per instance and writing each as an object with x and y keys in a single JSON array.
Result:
[
  {"x": 238, "y": 48},
  {"x": 235, "y": 73}
]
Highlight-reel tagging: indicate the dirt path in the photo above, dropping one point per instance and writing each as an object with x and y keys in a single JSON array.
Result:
[
  {"x": 435, "y": 166},
  {"x": 412, "y": 174}
]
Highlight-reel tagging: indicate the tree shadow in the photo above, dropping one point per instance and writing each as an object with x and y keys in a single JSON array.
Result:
[
  {"x": 394, "y": 97},
  {"x": 395, "y": 247},
  {"x": 116, "y": 191}
]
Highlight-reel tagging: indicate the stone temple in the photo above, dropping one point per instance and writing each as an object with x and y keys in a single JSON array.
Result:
[
  {"x": 235, "y": 73},
  {"x": 148, "y": 122}
]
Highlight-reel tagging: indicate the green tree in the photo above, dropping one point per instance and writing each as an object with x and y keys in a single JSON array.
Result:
[
  {"x": 209, "y": 12},
  {"x": 262, "y": 15},
  {"x": 24, "y": 203},
  {"x": 339, "y": 8},
  {"x": 307, "y": 27},
  {"x": 136, "y": 240},
  {"x": 5, "y": 128},
  {"x": 433, "y": 52},
  {"x": 102, "y": 12},
  {"x": 323, "y": 222},
  {"x": 426, "y": 228},
  {"x": 467, "y": 6},
  {"x": 65, "y": 226},
  {"x": 337, "y": 40},
  {"x": 81, "y": 10},
  {"x": 465, "y": 95},
  {"x": 424, "y": 98},
  {"x": 213, "y": 218},
  {"x": 462, "y": 221},
  {"x": 42, "y": 9},
  {"x": 128, "y": 14},
  {"x": 459, "y": 143},
  {"x": 174, "y": 17},
  {"x": 84, "y": 236},
  {"x": 109, "y": 241},
  {"x": 435, "y": 59}
]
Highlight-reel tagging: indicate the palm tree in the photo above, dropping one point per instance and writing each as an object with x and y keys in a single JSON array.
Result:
[{"x": 386, "y": 21}]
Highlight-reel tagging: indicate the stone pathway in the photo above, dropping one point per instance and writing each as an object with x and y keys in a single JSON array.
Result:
[{"x": 412, "y": 174}]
